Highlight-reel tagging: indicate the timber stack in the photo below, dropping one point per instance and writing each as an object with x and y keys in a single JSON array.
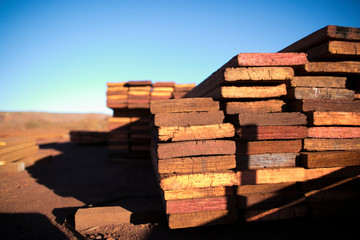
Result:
[
  {"x": 129, "y": 127},
  {"x": 327, "y": 90},
  {"x": 192, "y": 154},
  {"x": 89, "y": 137}
]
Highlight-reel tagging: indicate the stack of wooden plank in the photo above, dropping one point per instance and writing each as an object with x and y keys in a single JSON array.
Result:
[
  {"x": 325, "y": 89},
  {"x": 162, "y": 90},
  {"x": 192, "y": 160},
  {"x": 18, "y": 153},
  {"x": 89, "y": 137},
  {"x": 181, "y": 89}
]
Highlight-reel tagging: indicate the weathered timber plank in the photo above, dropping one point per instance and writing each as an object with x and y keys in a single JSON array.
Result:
[
  {"x": 272, "y": 119},
  {"x": 330, "y": 159},
  {"x": 7, "y": 142},
  {"x": 198, "y": 180},
  {"x": 256, "y": 106},
  {"x": 115, "y": 84},
  {"x": 267, "y": 160},
  {"x": 184, "y": 105},
  {"x": 326, "y": 144},
  {"x": 267, "y": 188},
  {"x": 200, "y": 204},
  {"x": 335, "y": 49},
  {"x": 196, "y": 219},
  {"x": 271, "y": 175},
  {"x": 198, "y": 193},
  {"x": 330, "y": 32},
  {"x": 324, "y": 105},
  {"x": 331, "y": 172},
  {"x": 318, "y": 81},
  {"x": 280, "y": 213},
  {"x": 271, "y": 59},
  {"x": 258, "y": 74},
  {"x": 332, "y": 67},
  {"x": 196, "y": 164},
  {"x": 139, "y": 83},
  {"x": 21, "y": 153},
  {"x": 272, "y": 132},
  {"x": 336, "y": 118},
  {"x": 321, "y": 93},
  {"x": 188, "y": 119},
  {"x": 269, "y": 200},
  {"x": 334, "y": 132},
  {"x": 195, "y": 148},
  {"x": 262, "y": 147},
  {"x": 7, "y": 149},
  {"x": 214, "y": 131},
  {"x": 253, "y": 91}
]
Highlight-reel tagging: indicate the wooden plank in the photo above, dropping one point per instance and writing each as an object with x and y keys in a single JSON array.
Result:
[
  {"x": 336, "y": 118},
  {"x": 334, "y": 132},
  {"x": 12, "y": 167},
  {"x": 271, "y": 175},
  {"x": 262, "y": 147},
  {"x": 324, "y": 105},
  {"x": 272, "y": 119},
  {"x": 330, "y": 159},
  {"x": 16, "y": 155},
  {"x": 256, "y": 106},
  {"x": 198, "y": 180},
  {"x": 321, "y": 93},
  {"x": 197, "y": 219},
  {"x": 198, "y": 193},
  {"x": 196, "y": 164},
  {"x": 184, "y": 87},
  {"x": 139, "y": 83},
  {"x": 253, "y": 91},
  {"x": 331, "y": 172},
  {"x": 200, "y": 204},
  {"x": 116, "y": 84},
  {"x": 195, "y": 148},
  {"x": 7, "y": 142},
  {"x": 330, "y": 32},
  {"x": 214, "y": 131},
  {"x": 335, "y": 49},
  {"x": 274, "y": 214},
  {"x": 7, "y": 149},
  {"x": 343, "y": 67},
  {"x": 267, "y": 74},
  {"x": 267, "y": 160},
  {"x": 271, "y": 59},
  {"x": 163, "y": 84},
  {"x": 318, "y": 81},
  {"x": 188, "y": 119},
  {"x": 329, "y": 144},
  {"x": 272, "y": 132},
  {"x": 267, "y": 188},
  {"x": 184, "y": 105}
]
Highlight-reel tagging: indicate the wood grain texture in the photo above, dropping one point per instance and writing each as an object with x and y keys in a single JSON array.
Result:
[
  {"x": 335, "y": 49},
  {"x": 334, "y": 132},
  {"x": 253, "y": 91},
  {"x": 184, "y": 105},
  {"x": 272, "y": 119},
  {"x": 272, "y": 132},
  {"x": 321, "y": 93},
  {"x": 332, "y": 67},
  {"x": 255, "y": 106},
  {"x": 329, "y": 144},
  {"x": 267, "y": 160},
  {"x": 318, "y": 81},
  {"x": 330, "y": 159},
  {"x": 198, "y": 193},
  {"x": 258, "y": 74},
  {"x": 336, "y": 118},
  {"x": 271, "y": 59},
  {"x": 188, "y": 119},
  {"x": 324, "y": 105},
  {"x": 262, "y": 147}
]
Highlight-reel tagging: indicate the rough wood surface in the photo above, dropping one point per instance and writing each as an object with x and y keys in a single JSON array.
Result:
[
  {"x": 332, "y": 67},
  {"x": 8, "y": 142},
  {"x": 253, "y": 91},
  {"x": 335, "y": 49},
  {"x": 336, "y": 118},
  {"x": 318, "y": 81},
  {"x": 330, "y": 159},
  {"x": 18, "y": 154},
  {"x": 214, "y": 131},
  {"x": 198, "y": 180},
  {"x": 196, "y": 219},
  {"x": 188, "y": 119},
  {"x": 7, "y": 149},
  {"x": 326, "y": 144},
  {"x": 271, "y": 59},
  {"x": 321, "y": 93},
  {"x": 324, "y": 105},
  {"x": 196, "y": 164},
  {"x": 198, "y": 193},
  {"x": 330, "y": 32},
  {"x": 272, "y": 119},
  {"x": 331, "y": 172},
  {"x": 272, "y": 132},
  {"x": 258, "y": 74},
  {"x": 195, "y": 148},
  {"x": 200, "y": 204},
  {"x": 334, "y": 132},
  {"x": 261, "y": 147},
  {"x": 164, "y": 84},
  {"x": 267, "y": 160},
  {"x": 184, "y": 105},
  {"x": 256, "y": 106}
]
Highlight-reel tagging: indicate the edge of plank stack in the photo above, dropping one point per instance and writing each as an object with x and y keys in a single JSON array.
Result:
[
  {"x": 192, "y": 155},
  {"x": 18, "y": 153}
]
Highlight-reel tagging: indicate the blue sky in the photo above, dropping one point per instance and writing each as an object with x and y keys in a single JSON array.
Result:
[{"x": 57, "y": 55}]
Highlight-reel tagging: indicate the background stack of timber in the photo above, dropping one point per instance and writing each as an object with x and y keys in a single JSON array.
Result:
[
  {"x": 89, "y": 137},
  {"x": 192, "y": 161},
  {"x": 18, "y": 153},
  {"x": 251, "y": 88},
  {"x": 130, "y": 125},
  {"x": 327, "y": 90}
]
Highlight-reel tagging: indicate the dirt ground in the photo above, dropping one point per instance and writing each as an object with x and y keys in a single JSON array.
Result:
[{"x": 40, "y": 202}]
